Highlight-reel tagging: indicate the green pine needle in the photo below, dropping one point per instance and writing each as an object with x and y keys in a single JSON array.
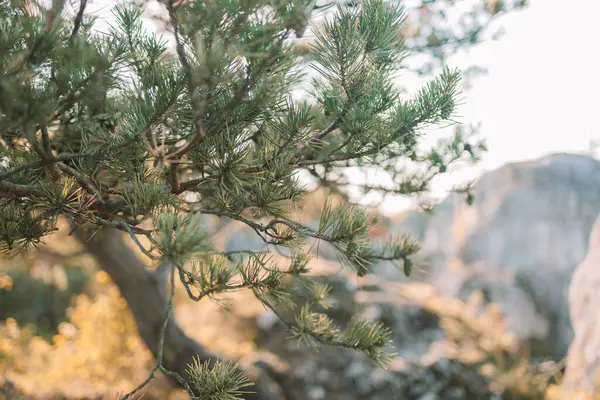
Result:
[{"x": 221, "y": 381}]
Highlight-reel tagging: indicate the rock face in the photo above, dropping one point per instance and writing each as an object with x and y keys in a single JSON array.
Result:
[
  {"x": 583, "y": 361},
  {"x": 519, "y": 243}
]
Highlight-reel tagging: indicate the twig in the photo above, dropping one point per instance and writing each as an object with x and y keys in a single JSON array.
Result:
[
  {"x": 320, "y": 135},
  {"x": 19, "y": 190},
  {"x": 45, "y": 152},
  {"x": 269, "y": 229},
  {"x": 197, "y": 106},
  {"x": 71, "y": 98},
  {"x": 83, "y": 181},
  {"x": 124, "y": 226},
  {"x": 45, "y": 139},
  {"x": 302, "y": 163},
  {"x": 186, "y": 285},
  {"x": 79, "y": 17},
  {"x": 290, "y": 327},
  {"x": 3, "y": 143},
  {"x": 174, "y": 178},
  {"x": 23, "y": 58},
  {"x": 158, "y": 365},
  {"x": 187, "y": 279},
  {"x": 41, "y": 163},
  {"x": 53, "y": 13}
]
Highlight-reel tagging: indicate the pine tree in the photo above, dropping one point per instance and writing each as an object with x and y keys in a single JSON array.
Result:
[{"x": 114, "y": 132}]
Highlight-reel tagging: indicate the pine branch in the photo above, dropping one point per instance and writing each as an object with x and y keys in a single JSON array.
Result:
[
  {"x": 24, "y": 57},
  {"x": 209, "y": 287},
  {"x": 231, "y": 133},
  {"x": 197, "y": 104},
  {"x": 77, "y": 94},
  {"x": 83, "y": 180},
  {"x": 250, "y": 80},
  {"x": 41, "y": 163}
]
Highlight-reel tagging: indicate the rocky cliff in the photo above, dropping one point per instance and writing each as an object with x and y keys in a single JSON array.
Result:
[
  {"x": 583, "y": 372},
  {"x": 519, "y": 243}
]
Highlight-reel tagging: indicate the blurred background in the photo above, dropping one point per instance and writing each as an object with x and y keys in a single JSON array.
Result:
[{"x": 485, "y": 315}]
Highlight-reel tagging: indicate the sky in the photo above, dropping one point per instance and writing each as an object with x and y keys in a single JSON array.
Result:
[
  {"x": 539, "y": 93},
  {"x": 539, "y": 96}
]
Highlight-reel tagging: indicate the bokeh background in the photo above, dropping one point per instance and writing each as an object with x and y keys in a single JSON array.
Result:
[{"x": 486, "y": 314}]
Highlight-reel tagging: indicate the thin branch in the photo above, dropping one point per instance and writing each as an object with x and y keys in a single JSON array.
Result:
[
  {"x": 54, "y": 13},
  {"x": 290, "y": 327},
  {"x": 187, "y": 279},
  {"x": 250, "y": 80},
  {"x": 23, "y": 58},
  {"x": 302, "y": 163},
  {"x": 174, "y": 178},
  {"x": 45, "y": 139},
  {"x": 83, "y": 181},
  {"x": 39, "y": 149},
  {"x": 75, "y": 95},
  {"x": 158, "y": 365},
  {"x": 41, "y": 163},
  {"x": 269, "y": 229},
  {"x": 45, "y": 152},
  {"x": 3, "y": 143},
  {"x": 79, "y": 17},
  {"x": 19, "y": 190},
  {"x": 332, "y": 127},
  {"x": 197, "y": 106},
  {"x": 124, "y": 226}
]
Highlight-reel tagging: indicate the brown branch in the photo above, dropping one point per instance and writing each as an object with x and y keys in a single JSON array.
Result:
[
  {"x": 79, "y": 17},
  {"x": 187, "y": 280},
  {"x": 76, "y": 94},
  {"x": 174, "y": 178},
  {"x": 198, "y": 107},
  {"x": 19, "y": 190},
  {"x": 250, "y": 79},
  {"x": 83, "y": 181},
  {"x": 269, "y": 229},
  {"x": 45, "y": 140},
  {"x": 41, "y": 163},
  {"x": 54, "y": 13},
  {"x": 124, "y": 226},
  {"x": 332, "y": 127},
  {"x": 3, "y": 143}
]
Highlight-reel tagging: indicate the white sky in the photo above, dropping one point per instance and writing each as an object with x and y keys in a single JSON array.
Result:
[{"x": 539, "y": 95}]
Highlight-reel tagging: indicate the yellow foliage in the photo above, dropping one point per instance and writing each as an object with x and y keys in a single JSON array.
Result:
[
  {"x": 6, "y": 282},
  {"x": 97, "y": 352}
]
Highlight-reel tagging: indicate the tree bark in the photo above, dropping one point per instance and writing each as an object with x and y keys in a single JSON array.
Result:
[{"x": 147, "y": 297}]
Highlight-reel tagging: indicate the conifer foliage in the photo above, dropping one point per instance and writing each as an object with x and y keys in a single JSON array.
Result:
[{"x": 114, "y": 130}]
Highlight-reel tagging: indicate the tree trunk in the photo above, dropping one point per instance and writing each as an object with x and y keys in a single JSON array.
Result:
[{"x": 147, "y": 299}]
